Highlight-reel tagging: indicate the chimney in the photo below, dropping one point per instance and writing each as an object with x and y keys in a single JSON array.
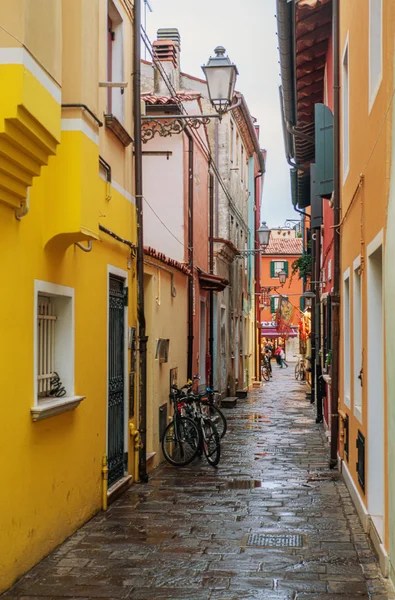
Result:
[{"x": 167, "y": 50}]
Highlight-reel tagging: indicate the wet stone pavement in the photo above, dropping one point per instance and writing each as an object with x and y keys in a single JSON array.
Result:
[{"x": 194, "y": 533}]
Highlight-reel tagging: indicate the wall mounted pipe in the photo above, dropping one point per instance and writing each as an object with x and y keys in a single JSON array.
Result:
[
  {"x": 87, "y": 248},
  {"x": 88, "y": 110}
]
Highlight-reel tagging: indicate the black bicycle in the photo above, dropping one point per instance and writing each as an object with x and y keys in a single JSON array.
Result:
[
  {"x": 181, "y": 439},
  {"x": 209, "y": 439}
]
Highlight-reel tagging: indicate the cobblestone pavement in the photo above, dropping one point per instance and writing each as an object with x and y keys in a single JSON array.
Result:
[{"x": 185, "y": 535}]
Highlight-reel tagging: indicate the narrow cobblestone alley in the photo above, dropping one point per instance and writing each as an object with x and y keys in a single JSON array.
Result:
[{"x": 187, "y": 534}]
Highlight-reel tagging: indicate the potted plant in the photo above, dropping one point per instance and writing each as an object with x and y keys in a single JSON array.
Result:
[{"x": 328, "y": 362}]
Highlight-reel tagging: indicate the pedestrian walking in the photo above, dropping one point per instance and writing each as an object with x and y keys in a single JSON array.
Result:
[
  {"x": 282, "y": 358},
  {"x": 277, "y": 355}
]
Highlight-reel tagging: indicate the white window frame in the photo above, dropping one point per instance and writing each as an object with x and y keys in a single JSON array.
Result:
[
  {"x": 346, "y": 110},
  {"x": 357, "y": 338},
  {"x": 346, "y": 338},
  {"x": 118, "y": 59},
  {"x": 231, "y": 140},
  {"x": 282, "y": 268},
  {"x": 49, "y": 406},
  {"x": 375, "y": 37}
]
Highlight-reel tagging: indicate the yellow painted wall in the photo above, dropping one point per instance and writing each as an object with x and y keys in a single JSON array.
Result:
[
  {"x": 52, "y": 468},
  {"x": 36, "y": 25},
  {"x": 365, "y": 215},
  {"x": 166, "y": 317}
]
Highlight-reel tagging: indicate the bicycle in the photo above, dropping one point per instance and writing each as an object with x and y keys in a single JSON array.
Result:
[
  {"x": 266, "y": 373},
  {"x": 300, "y": 369},
  {"x": 181, "y": 438},
  {"x": 209, "y": 440},
  {"x": 213, "y": 412}
]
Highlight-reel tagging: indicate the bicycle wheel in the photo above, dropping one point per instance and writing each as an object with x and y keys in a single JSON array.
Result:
[
  {"x": 180, "y": 441},
  {"x": 219, "y": 420},
  {"x": 266, "y": 374},
  {"x": 211, "y": 443},
  {"x": 297, "y": 372}
]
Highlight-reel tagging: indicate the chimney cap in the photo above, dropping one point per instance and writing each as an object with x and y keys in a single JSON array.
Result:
[{"x": 169, "y": 33}]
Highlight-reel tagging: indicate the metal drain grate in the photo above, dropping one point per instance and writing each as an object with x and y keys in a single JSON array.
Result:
[{"x": 275, "y": 540}]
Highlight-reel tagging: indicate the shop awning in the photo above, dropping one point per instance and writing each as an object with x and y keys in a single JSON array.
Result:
[
  {"x": 272, "y": 332},
  {"x": 211, "y": 282}
]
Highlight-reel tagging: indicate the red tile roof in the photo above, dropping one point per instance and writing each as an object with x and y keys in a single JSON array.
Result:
[
  {"x": 284, "y": 246},
  {"x": 181, "y": 97}
]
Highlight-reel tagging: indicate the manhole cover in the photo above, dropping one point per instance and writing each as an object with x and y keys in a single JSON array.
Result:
[{"x": 275, "y": 540}]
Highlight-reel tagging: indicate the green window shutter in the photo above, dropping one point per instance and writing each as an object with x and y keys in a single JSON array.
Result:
[
  {"x": 272, "y": 273},
  {"x": 302, "y": 303},
  {"x": 324, "y": 150},
  {"x": 272, "y": 306},
  {"x": 317, "y": 218},
  {"x": 286, "y": 267}
]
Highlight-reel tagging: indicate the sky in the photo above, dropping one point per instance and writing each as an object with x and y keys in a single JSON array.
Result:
[{"x": 248, "y": 31}]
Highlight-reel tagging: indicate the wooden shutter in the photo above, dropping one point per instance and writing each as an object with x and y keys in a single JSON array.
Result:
[
  {"x": 302, "y": 303},
  {"x": 272, "y": 273},
  {"x": 324, "y": 150},
  {"x": 272, "y": 305},
  {"x": 286, "y": 267},
  {"x": 317, "y": 218}
]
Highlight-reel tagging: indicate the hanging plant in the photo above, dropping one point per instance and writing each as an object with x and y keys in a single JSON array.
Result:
[{"x": 302, "y": 266}]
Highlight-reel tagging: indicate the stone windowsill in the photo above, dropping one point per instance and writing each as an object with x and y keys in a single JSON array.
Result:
[{"x": 49, "y": 407}]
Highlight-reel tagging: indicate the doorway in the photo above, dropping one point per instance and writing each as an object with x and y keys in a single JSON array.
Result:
[
  {"x": 375, "y": 424},
  {"x": 203, "y": 343},
  {"x": 116, "y": 451}
]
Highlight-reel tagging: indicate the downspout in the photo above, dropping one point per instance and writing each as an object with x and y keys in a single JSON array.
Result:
[
  {"x": 313, "y": 349},
  {"x": 258, "y": 357},
  {"x": 335, "y": 302},
  {"x": 143, "y": 477},
  {"x": 190, "y": 254},
  {"x": 317, "y": 366},
  {"x": 211, "y": 269}
]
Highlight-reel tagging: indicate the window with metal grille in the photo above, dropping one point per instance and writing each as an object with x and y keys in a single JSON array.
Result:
[
  {"x": 346, "y": 437},
  {"x": 46, "y": 320},
  {"x": 361, "y": 460},
  {"x": 54, "y": 342}
]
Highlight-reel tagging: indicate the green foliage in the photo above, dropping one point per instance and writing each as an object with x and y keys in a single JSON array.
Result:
[{"x": 302, "y": 266}]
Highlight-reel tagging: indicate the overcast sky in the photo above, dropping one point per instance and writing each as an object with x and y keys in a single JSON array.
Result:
[{"x": 247, "y": 29}]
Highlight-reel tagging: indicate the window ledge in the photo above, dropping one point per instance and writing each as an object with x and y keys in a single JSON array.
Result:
[{"x": 49, "y": 407}]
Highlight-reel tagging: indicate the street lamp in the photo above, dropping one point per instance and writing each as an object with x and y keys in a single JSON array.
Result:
[
  {"x": 264, "y": 234},
  {"x": 309, "y": 296},
  {"x": 264, "y": 238},
  {"x": 221, "y": 75},
  {"x": 282, "y": 276}
]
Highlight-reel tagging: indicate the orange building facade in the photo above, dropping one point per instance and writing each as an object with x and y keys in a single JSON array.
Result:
[{"x": 281, "y": 326}]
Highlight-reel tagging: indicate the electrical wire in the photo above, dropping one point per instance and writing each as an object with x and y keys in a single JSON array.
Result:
[
  {"x": 195, "y": 134},
  {"x": 164, "y": 224}
]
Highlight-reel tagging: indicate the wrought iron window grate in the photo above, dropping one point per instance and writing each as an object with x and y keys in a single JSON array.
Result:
[
  {"x": 361, "y": 460},
  {"x": 46, "y": 320}
]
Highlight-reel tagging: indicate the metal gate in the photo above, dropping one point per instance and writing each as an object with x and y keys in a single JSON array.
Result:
[{"x": 116, "y": 432}]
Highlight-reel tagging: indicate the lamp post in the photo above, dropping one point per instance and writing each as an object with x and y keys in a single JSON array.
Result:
[
  {"x": 282, "y": 276},
  {"x": 264, "y": 239},
  {"x": 221, "y": 75}
]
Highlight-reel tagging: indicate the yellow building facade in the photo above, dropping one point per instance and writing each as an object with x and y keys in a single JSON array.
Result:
[
  {"x": 366, "y": 97},
  {"x": 67, "y": 240}
]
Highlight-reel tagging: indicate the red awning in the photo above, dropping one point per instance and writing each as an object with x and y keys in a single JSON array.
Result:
[
  {"x": 211, "y": 282},
  {"x": 271, "y": 332}
]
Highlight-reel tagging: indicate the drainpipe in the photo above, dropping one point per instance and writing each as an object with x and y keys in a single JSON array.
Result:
[
  {"x": 313, "y": 338},
  {"x": 143, "y": 477},
  {"x": 317, "y": 366},
  {"x": 258, "y": 357},
  {"x": 190, "y": 253},
  {"x": 336, "y": 246},
  {"x": 211, "y": 267}
]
